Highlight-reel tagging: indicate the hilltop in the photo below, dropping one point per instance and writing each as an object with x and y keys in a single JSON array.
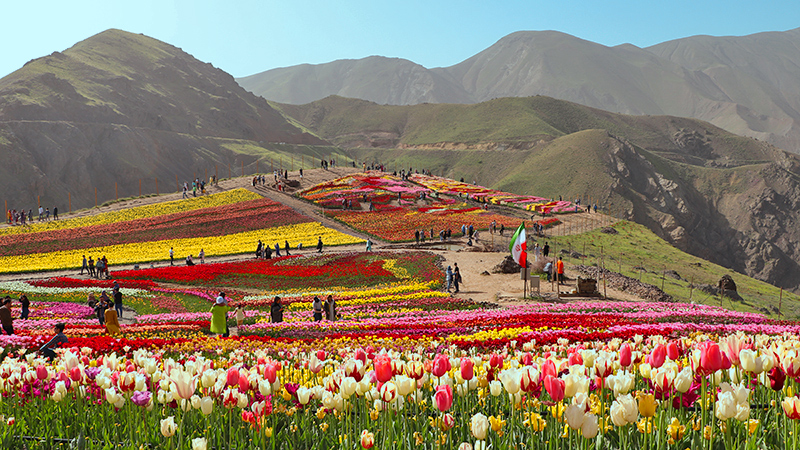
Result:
[
  {"x": 747, "y": 85},
  {"x": 119, "y": 107},
  {"x": 726, "y": 198}
]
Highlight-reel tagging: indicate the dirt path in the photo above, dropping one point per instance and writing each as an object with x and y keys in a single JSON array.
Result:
[{"x": 479, "y": 283}]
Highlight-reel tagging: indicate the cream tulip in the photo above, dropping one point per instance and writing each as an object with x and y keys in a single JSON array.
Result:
[
  {"x": 168, "y": 426},
  {"x": 479, "y": 425},
  {"x": 590, "y": 427}
]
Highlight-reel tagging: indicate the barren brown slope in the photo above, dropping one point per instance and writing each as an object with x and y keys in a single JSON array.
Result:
[{"x": 120, "y": 107}]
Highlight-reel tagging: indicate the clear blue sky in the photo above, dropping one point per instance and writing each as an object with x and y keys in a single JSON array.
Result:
[{"x": 250, "y": 36}]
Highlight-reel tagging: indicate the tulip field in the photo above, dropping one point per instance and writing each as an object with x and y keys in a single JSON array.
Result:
[
  {"x": 221, "y": 224},
  {"x": 483, "y": 194},
  {"x": 405, "y": 365},
  {"x": 396, "y": 201}
]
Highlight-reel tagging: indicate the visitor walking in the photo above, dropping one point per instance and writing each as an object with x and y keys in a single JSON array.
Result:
[
  {"x": 171, "y": 257},
  {"x": 560, "y": 270},
  {"x": 448, "y": 278},
  {"x": 118, "y": 302},
  {"x": 85, "y": 265},
  {"x": 369, "y": 244},
  {"x": 319, "y": 244},
  {"x": 456, "y": 276},
  {"x": 219, "y": 316}
]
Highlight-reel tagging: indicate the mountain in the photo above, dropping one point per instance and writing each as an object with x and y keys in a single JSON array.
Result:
[
  {"x": 120, "y": 107},
  {"x": 747, "y": 85},
  {"x": 729, "y": 199}
]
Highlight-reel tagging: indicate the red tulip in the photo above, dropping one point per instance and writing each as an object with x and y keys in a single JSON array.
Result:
[
  {"x": 527, "y": 359},
  {"x": 496, "y": 360},
  {"x": 575, "y": 358},
  {"x": 673, "y": 352},
  {"x": 443, "y": 397},
  {"x": 776, "y": 378},
  {"x": 658, "y": 356},
  {"x": 441, "y": 365},
  {"x": 383, "y": 368},
  {"x": 726, "y": 362},
  {"x": 554, "y": 387},
  {"x": 529, "y": 379},
  {"x": 41, "y": 372},
  {"x": 361, "y": 355},
  {"x": 467, "y": 371},
  {"x": 625, "y": 355},
  {"x": 75, "y": 373}
]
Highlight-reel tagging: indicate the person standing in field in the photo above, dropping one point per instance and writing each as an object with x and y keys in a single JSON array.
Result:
[
  {"x": 276, "y": 310},
  {"x": 118, "y": 302},
  {"x": 219, "y": 316},
  {"x": 316, "y": 307},
  {"x": 560, "y": 270},
  {"x": 85, "y": 265},
  {"x": 319, "y": 244},
  {"x": 448, "y": 278},
  {"x": 202, "y": 256},
  {"x": 456, "y": 276},
  {"x": 171, "y": 257},
  {"x": 5, "y": 316},
  {"x": 91, "y": 267},
  {"x": 55, "y": 212},
  {"x": 330, "y": 309},
  {"x": 26, "y": 306}
]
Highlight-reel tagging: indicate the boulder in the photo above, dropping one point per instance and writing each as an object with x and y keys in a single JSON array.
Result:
[
  {"x": 507, "y": 265},
  {"x": 673, "y": 274},
  {"x": 726, "y": 283}
]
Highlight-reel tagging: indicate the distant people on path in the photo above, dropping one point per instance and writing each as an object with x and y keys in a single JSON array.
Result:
[
  {"x": 5, "y": 316},
  {"x": 448, "y": 278},
  {"x": 546, "y": 249},
  {"x": 189, "y": 261},
  {"x": 416, "y": 236},
  {"x": 202, "y": 256},
  {"x": 84, "y": 265},
  {"x": 286, "y": 247},
  {"x": 171, "y": 257},
  {"x": 319, "y": 244},
  {"x": 55, "y": 212},
  {"x": 259, "y": 249},
  {"x": 548, "y": 269},
  {"x": 60, "y": 338},
  {"x": 91, "y": 267},
  {"x": 239, "y": 314},
  {"x": 369, "y": 244},
  {"x": 276, "y": 310},
  {"x": 537, "y": 252},
  {"x": 277, "y": 250}
]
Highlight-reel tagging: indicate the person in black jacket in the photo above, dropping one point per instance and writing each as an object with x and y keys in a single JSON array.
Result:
[{"x": 276, "y": 310}]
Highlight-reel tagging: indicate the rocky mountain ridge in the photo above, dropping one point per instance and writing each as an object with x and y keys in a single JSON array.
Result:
[{"x": 747, "y": 85}]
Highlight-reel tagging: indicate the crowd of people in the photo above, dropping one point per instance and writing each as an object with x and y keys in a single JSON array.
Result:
[
  {"x": 14, "y": 217},
  {"x": 95, "y": 269}
]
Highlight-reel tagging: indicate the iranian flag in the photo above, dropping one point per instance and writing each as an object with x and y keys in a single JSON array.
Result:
[{"x": 518, "y": 246}]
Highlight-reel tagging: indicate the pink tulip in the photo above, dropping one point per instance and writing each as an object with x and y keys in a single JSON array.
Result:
[
  {"x": 244, "y": 382},
  {"x": 575, "y": 359},
  {"x": 554, "y": 387},
  {"x": 443, "y": 397},
  {"x": 549, "y": 368},
  {"x": 710, "y": 358},
  {"x": 726, "y": 362},
  {"x": 383, "y": 368},
  {"x": 625, "y": 355},
  {"x": 233, "y": 377},
  {"x": 527, "y": 359},
  {"x": 360, "y": 355},
  {"x": 270, "y": 372},
  {"x": 467, "y": 369},
  {"x": 75, "y": 374},
  {"x": 41, "y": 372}
]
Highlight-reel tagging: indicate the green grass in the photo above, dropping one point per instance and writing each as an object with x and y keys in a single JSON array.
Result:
[{"x": 635, "y": 245}]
